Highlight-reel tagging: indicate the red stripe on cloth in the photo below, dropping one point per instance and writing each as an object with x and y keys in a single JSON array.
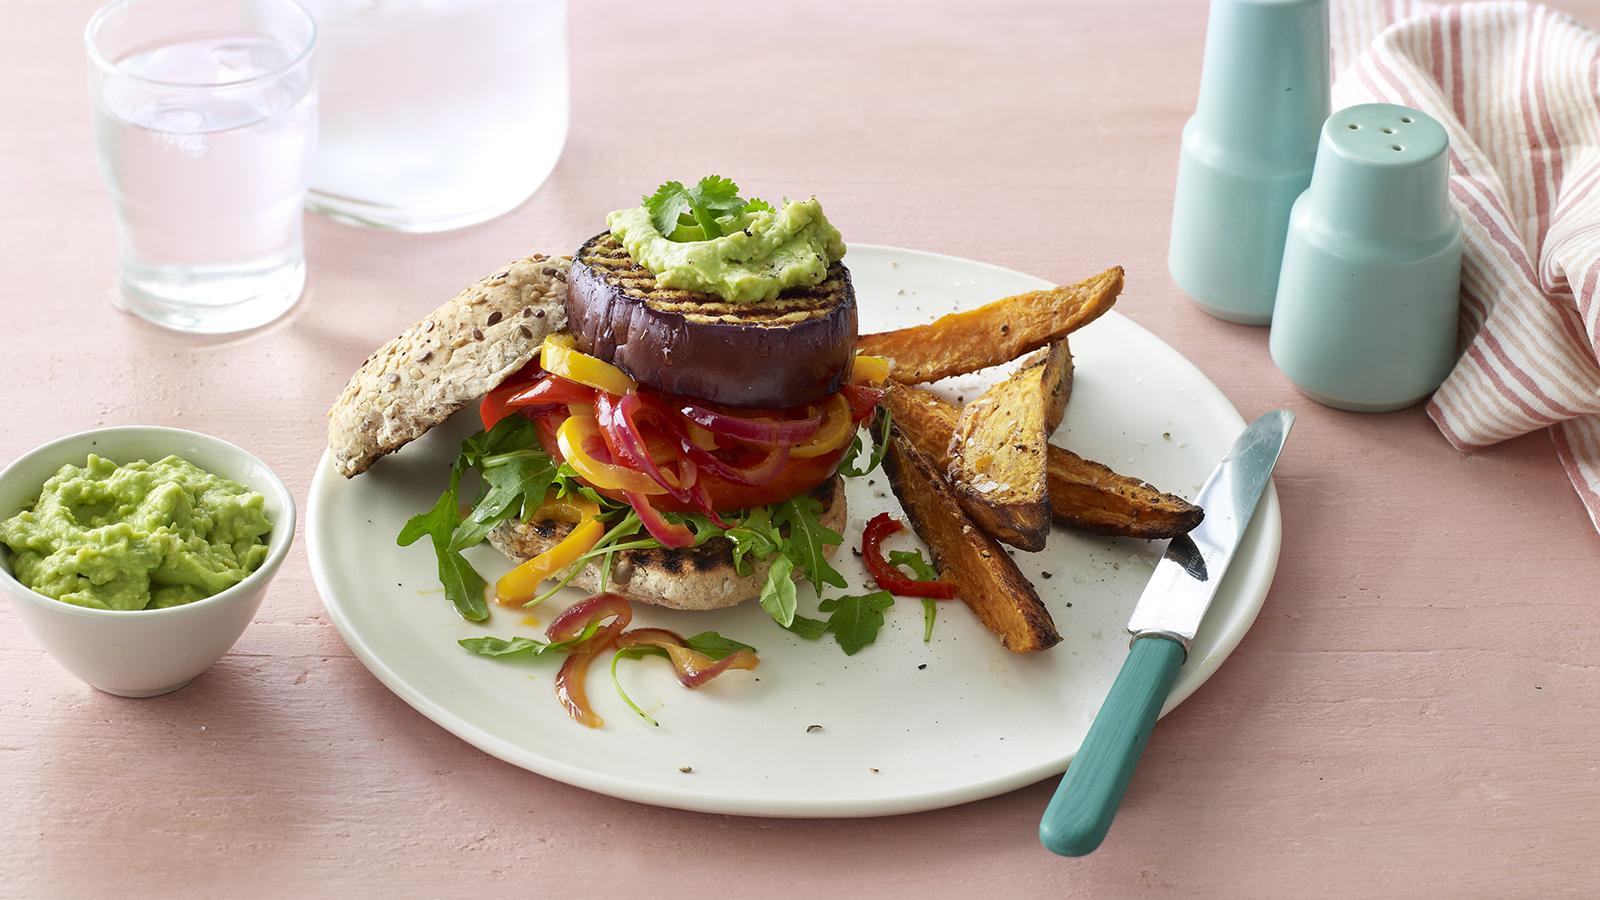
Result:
[
  {"x": 1534, "y": 418},
  {"x": 1536, "y": 150},
  {"x": 1520, "y": 375},
  {"x": 1458, "y": 84}
]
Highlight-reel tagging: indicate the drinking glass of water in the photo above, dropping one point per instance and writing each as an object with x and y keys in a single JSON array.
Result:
[
  {"x": 437, "y": 114},
  {"x": 205, "y": 119}
]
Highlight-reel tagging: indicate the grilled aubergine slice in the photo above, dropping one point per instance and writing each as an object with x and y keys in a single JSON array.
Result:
[{"x": 793, "y": 349}]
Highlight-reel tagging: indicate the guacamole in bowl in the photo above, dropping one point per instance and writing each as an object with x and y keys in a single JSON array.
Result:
[{"x": 137, "y": 535}]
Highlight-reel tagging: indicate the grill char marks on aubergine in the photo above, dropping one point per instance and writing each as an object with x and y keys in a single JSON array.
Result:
[{"x": 794, "y": 349}]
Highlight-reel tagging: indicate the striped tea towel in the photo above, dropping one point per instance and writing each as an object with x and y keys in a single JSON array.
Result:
[{"x": 1517, "y": 86}]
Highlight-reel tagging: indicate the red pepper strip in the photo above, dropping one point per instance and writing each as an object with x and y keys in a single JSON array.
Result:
[
  {"x": 863, "y": 400},
  {"x": 549, "y": 390},
  {"x": 570, "y": 624},
  {"x": 693, "y": 667},
  {"x": 888, "y": 577}
]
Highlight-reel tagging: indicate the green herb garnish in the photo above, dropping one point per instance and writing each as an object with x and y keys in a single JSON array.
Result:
[
  {"x": 516, "y": 476},
  {"x": 921, "y": 570},
  {"x": 715, "y": 645},
  {"x": 778, "y": 594},
  {"x": 855, "y": 620},
  {"x": 462, "y": 583},
  {"x": 710, "y": 209},
  {"x": 880, "y": 446},
  {"x": 805, "y": 543}
]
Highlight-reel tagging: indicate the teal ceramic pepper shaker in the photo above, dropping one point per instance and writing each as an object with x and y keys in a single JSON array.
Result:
[
  {"x": 1248, "y": 152},
  {"x": 1369, "y": 294}
]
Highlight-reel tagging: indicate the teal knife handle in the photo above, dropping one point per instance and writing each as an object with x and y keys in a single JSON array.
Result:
[{"x": 1080, "y": 813}]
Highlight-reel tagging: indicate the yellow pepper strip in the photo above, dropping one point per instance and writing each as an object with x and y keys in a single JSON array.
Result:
[
  {"x": 574, "y": 509},
  {"x": 558, "y": 357},
  {"x": 521, "y": 584},
  {"x": 701, "y": 436},
  {"x": 836, "y": 431},
  {"x": 575, "y": 433},
  {"x": 869, "y": 370}
]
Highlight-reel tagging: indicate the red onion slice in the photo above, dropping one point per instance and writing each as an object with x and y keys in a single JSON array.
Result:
[
  {"x": 570, "y": 625},
  {"x": 672, "y": 535},
  {"x": 574, "y": 619},
  {"x": 755, "y": 430},
  {"x": 693, "y": 667},
  {"x": 616, "y": 418}
]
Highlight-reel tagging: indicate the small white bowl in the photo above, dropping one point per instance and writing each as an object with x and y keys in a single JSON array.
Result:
[{"x": 143, "y": 653}]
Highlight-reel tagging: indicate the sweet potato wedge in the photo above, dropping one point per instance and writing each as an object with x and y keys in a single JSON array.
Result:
[
  {"x": 997, "y": 452},
  {"x": 1089, "y": 496},
  {"x": 994, "y": 333},
  {"x": 1059, "y": 382},
  {"x": 986, "y": 579},
  {"x": 1084, "y": 494}
]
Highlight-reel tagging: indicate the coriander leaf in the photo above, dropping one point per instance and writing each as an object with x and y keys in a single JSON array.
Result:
[
  {"x": 778, "y": 595},
  {"x": 808, "y": 628},
  {"x": 755, "y": 205},
  {"x": 717, "y": 195},
  {"x": 666, "y": 205},
  {"x": 515, "y": 485},
  {"x": 880, "y": 445},
  {"x": 855, "y": 620},
  {"x": 462, "y": 583},
  {"x": 710, "y": 209},
  {"x": 806, "y": 537},
  {"x": 493, "y": 646},
  {"x": 715, "y": 645}
]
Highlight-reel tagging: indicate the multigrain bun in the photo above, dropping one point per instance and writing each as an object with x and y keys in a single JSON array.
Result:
[
  {"x": 461, "y": 351},
  {"x": 699, "y": 578}
]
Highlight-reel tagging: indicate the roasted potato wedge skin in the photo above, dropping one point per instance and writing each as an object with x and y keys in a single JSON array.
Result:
[
  {"x": 1090, "y": 496},
  {"x": 994, "y": 333},
  {"x": 1084, "y": 494},
  {"x": 1058, "y": 380},
  {"x": 997, "y": 454},
  {"x": 986, "y": 578}
]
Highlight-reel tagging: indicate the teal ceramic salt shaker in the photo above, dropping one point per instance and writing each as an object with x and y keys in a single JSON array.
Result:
[
  {"x": 1369, "y": 293},
  {"x": 1248, "y": 151}
]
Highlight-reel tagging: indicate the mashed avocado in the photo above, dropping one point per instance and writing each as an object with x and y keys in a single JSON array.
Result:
[
  {"x": 776, "y": 249},
  {"x": 137, "y": 536}
]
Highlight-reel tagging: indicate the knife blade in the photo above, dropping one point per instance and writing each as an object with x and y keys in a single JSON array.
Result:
[
  {"x": 1177, "y": 596},
  {"x": 1163, "y": 626}
]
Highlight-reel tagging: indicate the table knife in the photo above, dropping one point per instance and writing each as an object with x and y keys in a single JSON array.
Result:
[{"x": 1163, "y": 627}]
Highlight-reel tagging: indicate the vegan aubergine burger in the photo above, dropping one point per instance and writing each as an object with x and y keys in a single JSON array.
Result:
[{"x": 665, "y": 417}]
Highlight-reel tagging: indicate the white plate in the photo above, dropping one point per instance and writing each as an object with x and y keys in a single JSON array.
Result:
[{"x": 905, "y": 726}]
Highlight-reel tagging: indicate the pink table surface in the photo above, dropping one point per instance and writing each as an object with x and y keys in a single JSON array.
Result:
[{"x": 1415, "y": 710}]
